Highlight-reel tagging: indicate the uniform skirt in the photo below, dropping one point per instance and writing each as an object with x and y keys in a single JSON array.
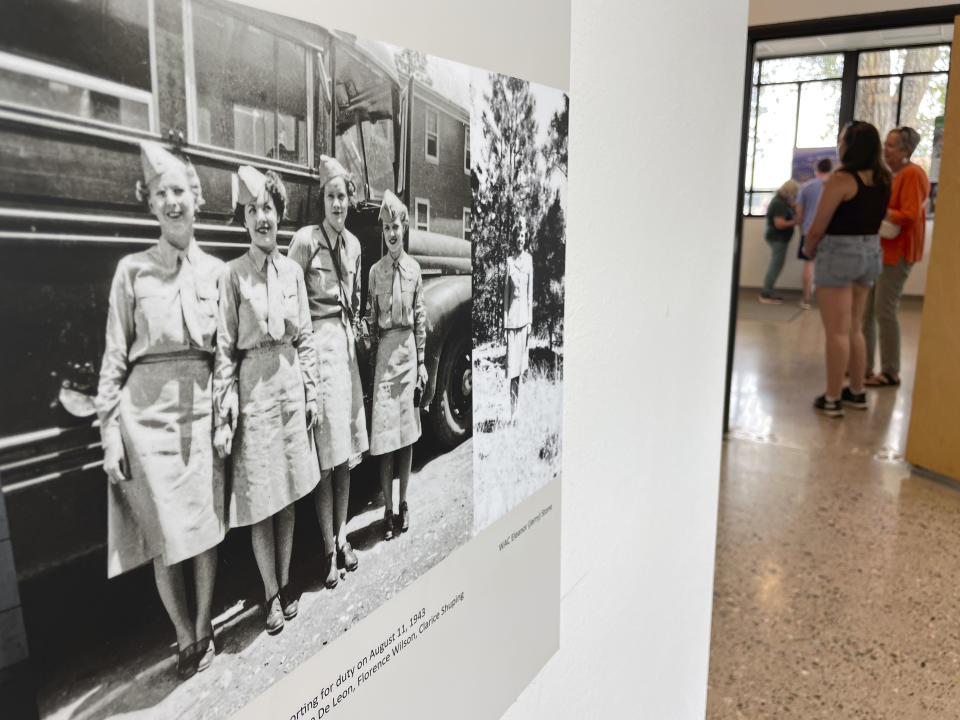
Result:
[
  {"x": 341, "y": 433},
  {"x": 274, "y": 462},
  {"x": 172, "y": 508},
  {"x": 395, "y": 422},
  {"x": 517, "y": 351}
]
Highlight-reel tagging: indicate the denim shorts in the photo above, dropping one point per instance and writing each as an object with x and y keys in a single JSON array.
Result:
[{"x": 845, "y": 259}]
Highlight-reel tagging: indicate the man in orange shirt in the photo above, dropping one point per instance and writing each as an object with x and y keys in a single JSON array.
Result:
[{"x": 908, "y": 210}]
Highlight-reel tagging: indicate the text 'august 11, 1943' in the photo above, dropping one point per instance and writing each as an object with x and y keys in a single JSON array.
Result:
[{"x": 335, "y": 693}]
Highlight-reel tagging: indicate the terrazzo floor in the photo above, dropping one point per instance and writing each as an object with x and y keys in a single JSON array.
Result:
[{"x": 837, "y": 585}]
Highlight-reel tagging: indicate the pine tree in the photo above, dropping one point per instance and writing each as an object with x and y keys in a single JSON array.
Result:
[{"x": 507, "y": 192}]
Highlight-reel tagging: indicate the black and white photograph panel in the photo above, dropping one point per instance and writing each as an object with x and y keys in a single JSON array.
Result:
[
  {"x": 519, "y": 146},
  {"x": 236, "y": 375}
]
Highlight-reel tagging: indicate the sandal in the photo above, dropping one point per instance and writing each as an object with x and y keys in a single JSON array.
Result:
[{"x": 882, "y": 379}]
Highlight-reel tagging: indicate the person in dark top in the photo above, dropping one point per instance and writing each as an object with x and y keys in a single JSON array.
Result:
[
  {"x": 845, "y": 248},
  {"x": 781, "y": 219}
]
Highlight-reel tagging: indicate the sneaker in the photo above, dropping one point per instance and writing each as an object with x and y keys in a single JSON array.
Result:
[
  {"x": 833, "y": 408},
  {"x": 854, "y": 400},
  {"x": 770, "y": 299}
]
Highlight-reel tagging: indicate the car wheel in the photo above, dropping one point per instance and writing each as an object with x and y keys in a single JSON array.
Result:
[{"x": 451, "y": 412}]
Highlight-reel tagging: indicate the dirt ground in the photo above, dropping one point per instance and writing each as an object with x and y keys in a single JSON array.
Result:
[
  {"x": 105, "y": 649},
  {"x": 514, "y": 459}
]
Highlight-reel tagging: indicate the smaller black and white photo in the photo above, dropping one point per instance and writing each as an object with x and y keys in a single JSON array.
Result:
[{"x": 519, "y": 146}]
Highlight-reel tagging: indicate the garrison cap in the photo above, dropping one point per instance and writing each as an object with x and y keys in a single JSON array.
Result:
[
  {"x": 157, "y": 160},
  {"x": 392, "y": 208},
  {"x": 330, "y": 168},
  {"x": 251, "y": 184}
]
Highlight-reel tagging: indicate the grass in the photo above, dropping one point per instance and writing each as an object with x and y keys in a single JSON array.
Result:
[{"x": 513, "y": 460}]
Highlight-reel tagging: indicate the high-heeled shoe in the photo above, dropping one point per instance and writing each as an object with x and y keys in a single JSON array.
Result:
[
  {"x": 404, "y": 517},
  {"x": 333, "y": 573},
  {"x": 274, "y": 622},
  {"x": 288, "y": 603},
  {"x": 187, "y": 661},
  {"x": 387, "y": 525},
  {"x": 207, "y": 648},
  {"x": 347, "y": 558}
]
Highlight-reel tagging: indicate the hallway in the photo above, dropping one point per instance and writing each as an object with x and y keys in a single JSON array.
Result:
[{"x": 835, "y": 590}]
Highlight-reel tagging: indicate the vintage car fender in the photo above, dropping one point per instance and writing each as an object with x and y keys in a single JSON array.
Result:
[{"x": 448, "y": 304}]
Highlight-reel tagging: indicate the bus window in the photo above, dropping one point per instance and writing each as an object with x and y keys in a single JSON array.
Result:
[
  {"x": 365, "y": 125},
  {"x": 251, "y": 88},
  {"x": 92, "y": 64}
]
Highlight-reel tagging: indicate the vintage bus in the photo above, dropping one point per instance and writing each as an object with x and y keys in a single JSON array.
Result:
[{"x": 82, "y": 82}]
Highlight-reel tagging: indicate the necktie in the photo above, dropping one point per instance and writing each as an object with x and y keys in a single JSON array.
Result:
[
  {"x": 274, "y": 302},
  {"x": 396, "y": 303},
  {"x": 188, "y": 300}
]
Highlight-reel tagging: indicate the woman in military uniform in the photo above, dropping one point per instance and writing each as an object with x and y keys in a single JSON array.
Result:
[
  {"x": 517, "y": 315},
  {"x": 396, "y": 316},
  {"x": 265, "y": 389},
  {"x": 329, "y": 255},
  {"x": 166, "y": 491}
]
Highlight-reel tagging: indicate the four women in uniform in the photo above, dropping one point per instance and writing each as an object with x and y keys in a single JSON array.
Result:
[{"x": 254, "y": 360}]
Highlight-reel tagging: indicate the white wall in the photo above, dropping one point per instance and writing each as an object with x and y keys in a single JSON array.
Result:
[
  {"x": 767, "y": 12},
  {"x": 647, "y": 302},
  {"x": 755, "y": 253}
]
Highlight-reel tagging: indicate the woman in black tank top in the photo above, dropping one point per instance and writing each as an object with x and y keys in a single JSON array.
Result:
[{"x": 844, "y": 244}]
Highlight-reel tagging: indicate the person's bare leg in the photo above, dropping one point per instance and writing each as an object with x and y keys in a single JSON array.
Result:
[
  {"x": 386, "y": 481},
  {"x": 341, "y": 498},
  {"x": 173, "y": 595},
  {"x": 858, "y": 346},
  {"x": 807, "y": 281},
  {"x": 323, "y": 498},
  {"x": 283, "y": 524},
  {"x": 204, "y": 574},
  {"x": 265, "y": 553},
  {"x": 835, "y": 311},
  {"x": 404, "y": 463}
]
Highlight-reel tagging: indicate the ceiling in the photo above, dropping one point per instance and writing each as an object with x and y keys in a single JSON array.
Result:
[{"x": 813, "y": 44}]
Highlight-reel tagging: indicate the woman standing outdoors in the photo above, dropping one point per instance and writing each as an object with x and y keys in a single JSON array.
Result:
[
  {"x": 396, "y": 315},
  {"x": 781, "y": 219},
  {"x": 329, "y": 255},
  {"x": 265, "y": 389},
  {"x": 517, "y": 314},
  {"x": 154, "y": 402},
  {"x": 907, "y": 213},
  {"x": 844, "y": 244}
]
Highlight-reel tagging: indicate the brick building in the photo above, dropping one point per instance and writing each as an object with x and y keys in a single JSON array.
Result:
[{"x": 440, "y": 164}]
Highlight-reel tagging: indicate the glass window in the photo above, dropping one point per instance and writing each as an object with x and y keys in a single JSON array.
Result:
[
  {"x": 924, "y": 99},
  {"x": 466, "y": 149},
  {"x": 93, "y": 63},
  {"x": 365, "y": 125},
  {"x": 251, "y": 88},
  {"x": 877, "y": 102},
  {"x": 904, "y": 60},
  {"x": 466, "y": 224},
  {"x": 807, "y": 67},
  {"x": 422, "y": 214},
  {"x": 819, "y": 117},
  {"x": 378, "y": 140},
  {"x": 795, "y": 103},
  {"x": 432, "y": 140},
  {"x": 776, "y": 128}
]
